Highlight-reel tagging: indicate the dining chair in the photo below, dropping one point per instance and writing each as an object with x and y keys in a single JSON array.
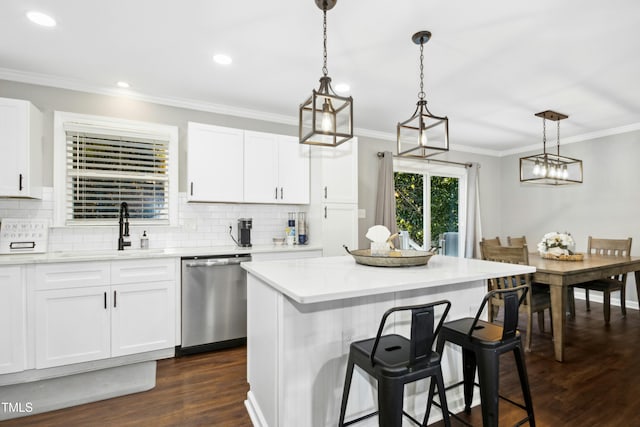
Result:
[
  {"x": 534, "y": 302},
  {"x": 516, "y": 241},
  {"x": 493, "y": 242},
  {"x": 605, "y": 247}
]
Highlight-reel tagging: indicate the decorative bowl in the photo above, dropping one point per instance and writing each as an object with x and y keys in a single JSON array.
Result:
[{"x": 393, "y": 258}]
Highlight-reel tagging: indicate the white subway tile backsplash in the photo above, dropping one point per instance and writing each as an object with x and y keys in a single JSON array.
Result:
[{"x": 198, "y": 225}]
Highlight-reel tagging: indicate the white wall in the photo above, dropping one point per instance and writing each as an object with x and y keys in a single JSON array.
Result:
[{"x": 606, "y": 204}]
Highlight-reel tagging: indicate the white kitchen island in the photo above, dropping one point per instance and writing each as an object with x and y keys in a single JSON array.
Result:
[{"x": 303, "y": 314}]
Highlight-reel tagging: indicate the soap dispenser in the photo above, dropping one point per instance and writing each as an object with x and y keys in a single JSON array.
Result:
[{"x": 144, "y": 240}]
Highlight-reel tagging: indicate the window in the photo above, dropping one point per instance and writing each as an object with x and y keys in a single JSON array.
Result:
[
  {"x": 430, "y": 204},
  {"x": 101, "y": 162}
]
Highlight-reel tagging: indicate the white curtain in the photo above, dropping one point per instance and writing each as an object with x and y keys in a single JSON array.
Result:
[
  {"x": 386, "y": 199},
  {"x": 474, "y": 228}
]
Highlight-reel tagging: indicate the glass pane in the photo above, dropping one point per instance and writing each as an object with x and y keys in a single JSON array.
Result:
[
  {"x": 409, "y": 188},
  {"x": 444, "y": 213}
]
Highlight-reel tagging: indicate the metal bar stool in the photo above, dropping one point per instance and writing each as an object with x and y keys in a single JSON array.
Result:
[
  {"x": 395, "y": 361},
  {"x": 482, "y": 344}
]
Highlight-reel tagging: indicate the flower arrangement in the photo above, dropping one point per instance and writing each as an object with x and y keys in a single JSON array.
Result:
[{"x": 557, "y": 244}]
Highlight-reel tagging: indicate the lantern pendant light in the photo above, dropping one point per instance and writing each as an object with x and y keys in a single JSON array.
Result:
[
  {"x": 423, "y": 135},
  {"x": 548, "y": 168},
  {"x": 325, "y": 118}
]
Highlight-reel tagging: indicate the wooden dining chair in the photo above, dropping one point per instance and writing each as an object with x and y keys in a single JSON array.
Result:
[
  {"x": 534, "y": 302},
  {"x": 606, "y": 247},
  {"x": 516, "y": 241}
]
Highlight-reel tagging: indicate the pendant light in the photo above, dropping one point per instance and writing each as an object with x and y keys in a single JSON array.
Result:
[
  {"x": 548, "y": 168},
  {"x": 325, "y": 117},
  {"x": 423, "y": 135}
]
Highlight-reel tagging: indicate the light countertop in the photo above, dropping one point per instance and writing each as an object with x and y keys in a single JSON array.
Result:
[
  {"x": 314, "y": 280},
  {"x": 110, "y": 255}
]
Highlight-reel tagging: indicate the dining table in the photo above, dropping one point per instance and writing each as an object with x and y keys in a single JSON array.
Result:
[{"x": 561, "y": 274}]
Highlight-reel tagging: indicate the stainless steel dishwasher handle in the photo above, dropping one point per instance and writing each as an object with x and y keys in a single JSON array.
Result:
[{"x": 214, "y": 262}]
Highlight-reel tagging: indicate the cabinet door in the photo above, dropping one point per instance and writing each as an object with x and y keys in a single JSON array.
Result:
[
  {"x": 143, "y": 317},
  {"x": 12, "y": 319},
  {"x": 340, "y": 173},
  {"x": 293, "y": 170},
  {"x": 339, "y": 227},
  {"x": 72, "y": 326},
  {"x": 261, "y": 168},
  {"x": 14, "y": 147},
  {"x": 214, "y": 164}
]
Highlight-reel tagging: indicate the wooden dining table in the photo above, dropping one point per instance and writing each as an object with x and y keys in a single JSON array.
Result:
[{"x": 559, "y": 275}]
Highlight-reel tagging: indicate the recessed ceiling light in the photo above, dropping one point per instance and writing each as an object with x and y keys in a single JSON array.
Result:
[
  {"x": 123, "y": 85},
  {"x": 342, "y": 87},
  {"x": 222, "y": 59},
  {"x": 41, "y": 19}
]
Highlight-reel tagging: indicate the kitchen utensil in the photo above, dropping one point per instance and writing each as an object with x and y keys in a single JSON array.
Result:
[{"x": 396, "y": 258}]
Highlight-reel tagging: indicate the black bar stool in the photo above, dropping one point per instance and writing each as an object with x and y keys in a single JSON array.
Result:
[
  {"x": 482, "y": 344},
  {"x": 395, "y": 361}
]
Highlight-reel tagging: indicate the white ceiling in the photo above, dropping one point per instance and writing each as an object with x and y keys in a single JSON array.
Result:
[{"x": 490, "y": 66}]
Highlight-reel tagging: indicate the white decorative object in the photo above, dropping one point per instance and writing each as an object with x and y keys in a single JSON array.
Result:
[
  {"x": 557, "y": 244},
  {"x": 379, "y": 236}
]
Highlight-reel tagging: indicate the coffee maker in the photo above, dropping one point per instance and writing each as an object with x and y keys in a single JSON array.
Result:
[{"x": 244, "y": 232}]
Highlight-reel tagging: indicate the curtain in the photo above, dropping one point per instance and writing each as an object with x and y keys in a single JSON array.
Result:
[
  {"x": 474, "y": 228},
  {"x": 386, "y": 199}
]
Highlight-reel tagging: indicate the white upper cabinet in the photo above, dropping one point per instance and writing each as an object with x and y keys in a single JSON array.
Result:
[
  {"x": 338, "y": 167},
  {"x": 276, "y": 169},
  {"x": 293, "y": 170},
  {"x": 21, "y": 147},
  {"x": 214, "y": 163}
]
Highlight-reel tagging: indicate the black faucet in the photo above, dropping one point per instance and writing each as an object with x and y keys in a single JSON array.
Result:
[{"x": 124, "y": 226}]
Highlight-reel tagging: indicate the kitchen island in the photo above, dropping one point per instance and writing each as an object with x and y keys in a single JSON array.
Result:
[{"x": 303, "y": 315}]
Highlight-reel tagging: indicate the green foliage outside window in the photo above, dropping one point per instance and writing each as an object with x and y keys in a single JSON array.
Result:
[
  {"x": 409, "y": 192},
  {"x": 409, "y": 189}
]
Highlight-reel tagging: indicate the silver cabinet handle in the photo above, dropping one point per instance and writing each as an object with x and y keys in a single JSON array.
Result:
[
  {"x": 276, "y": 193},
  {"x": 281, "y": 194},
  {"x": 192, "y": 188},
  {"x": 325, "y": 211},
  {"x": 325, "y": 191}
]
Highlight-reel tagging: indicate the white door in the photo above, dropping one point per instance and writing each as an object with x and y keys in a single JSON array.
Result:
[
  {"x": 293, "y": 170},
  {"x": 72, "y": 326},
  {"x": 142, "y": 317},
  {"x": 14, "y": 147},
  {"x": 340, "y": 173},
  {"x": 214, "y": 163},
  {"x": 339, "y": 227},
  {"x": 261, "y": 168},
  {"x": 12, "y": 319}
]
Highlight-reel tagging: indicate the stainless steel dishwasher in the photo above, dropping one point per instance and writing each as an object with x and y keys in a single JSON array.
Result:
[{"x": 214, "y": 303}]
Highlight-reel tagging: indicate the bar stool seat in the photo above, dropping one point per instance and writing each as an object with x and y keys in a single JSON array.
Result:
[
  {"x": 395, "y": 361},
  {"x": 482, "y": 344}
]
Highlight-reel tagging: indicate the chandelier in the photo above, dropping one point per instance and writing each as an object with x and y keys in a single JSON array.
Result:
[
  {"x": 548, "y": 168},
  {"x": 325, "y": 118},
  {"x": 423, "y": 135}
]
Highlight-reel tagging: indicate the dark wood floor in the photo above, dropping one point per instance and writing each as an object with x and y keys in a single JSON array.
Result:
[{"x": 597, "y": 385}]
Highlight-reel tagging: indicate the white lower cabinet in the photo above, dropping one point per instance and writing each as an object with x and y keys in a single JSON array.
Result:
[
  {"x": 124, "y": 310},
  {"x": 12, "y": 319},
  {"x": 72, "y": 326},
  {"x": 142, "y": 317}
]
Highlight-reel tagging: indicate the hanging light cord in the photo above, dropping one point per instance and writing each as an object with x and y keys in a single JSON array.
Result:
[
  {"x": 324, "y": 29},
  {"x": 544, "y": 135},
  {"x": 558, "y": 138},
  {"x": 421, "y": 94}
]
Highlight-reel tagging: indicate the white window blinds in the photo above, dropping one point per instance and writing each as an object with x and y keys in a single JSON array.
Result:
[{"x": 107, "y": 166}]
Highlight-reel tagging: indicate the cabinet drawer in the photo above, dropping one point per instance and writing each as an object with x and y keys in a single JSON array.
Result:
[
  {"x": 138, "y": 271},
  {"x": 71, "y": 275}
]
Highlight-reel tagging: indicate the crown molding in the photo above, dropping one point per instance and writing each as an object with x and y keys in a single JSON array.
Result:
[{"x": 81, "y": 86}]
